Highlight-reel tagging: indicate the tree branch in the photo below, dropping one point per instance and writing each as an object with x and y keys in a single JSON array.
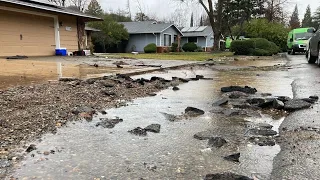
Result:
[{"x": 204, "y": 6}]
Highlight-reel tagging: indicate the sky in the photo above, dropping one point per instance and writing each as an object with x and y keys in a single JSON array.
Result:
[{"x": 163, "y": 8}]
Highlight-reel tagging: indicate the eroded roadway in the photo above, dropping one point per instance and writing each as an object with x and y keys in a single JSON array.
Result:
[{"x": 300, "y": 146}]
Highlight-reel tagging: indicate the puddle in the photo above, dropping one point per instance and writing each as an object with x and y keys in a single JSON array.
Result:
[
  {"x": 25, "y": 72},
  {"x": 259, "y": 63},
  {"x": 89, "y": 152}
]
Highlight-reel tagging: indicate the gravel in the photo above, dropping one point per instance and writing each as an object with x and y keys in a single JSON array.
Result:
[{"x": 28, "y": 112}]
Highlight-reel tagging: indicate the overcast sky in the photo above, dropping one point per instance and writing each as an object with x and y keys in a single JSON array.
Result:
[{"x": 164, "y": 8}]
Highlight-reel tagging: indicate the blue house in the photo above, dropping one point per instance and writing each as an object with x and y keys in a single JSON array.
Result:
[
  {"x": 146, "y": 32},
  {"x": 201, "y": 35}
]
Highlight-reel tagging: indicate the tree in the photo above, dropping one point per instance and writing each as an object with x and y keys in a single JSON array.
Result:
[
  {"x": 274, "y": 10},
  {"x": 191, "y": 20},
  {"x": 120, "y": 16},
  {"x": 215, "y": 18},
  {"x": 112, "y": 33},
  {"x": 316, "y": 18},
  {"x": 294, "y": 20},
  {"x": 59, "y": 2},
  {"x": 140, "y": 16},
  {"x": 307, "y": 19},
  {"x": 94, "y": 8},
  {"x": 80, "y": 4},
  {"x": 272, "y": 31}
]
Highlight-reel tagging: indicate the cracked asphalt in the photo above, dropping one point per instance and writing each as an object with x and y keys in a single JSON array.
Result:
[{"x": 300, "y": 143}]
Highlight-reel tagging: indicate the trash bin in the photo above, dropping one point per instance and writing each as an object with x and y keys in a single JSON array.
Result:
[{"x": 61, "y": 52}]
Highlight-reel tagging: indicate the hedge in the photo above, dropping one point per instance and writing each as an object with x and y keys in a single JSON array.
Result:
[
  {"x": 189, "y": 47},
  {"x": 254, "y": 46},
  {"x": 150, "y": 48}
]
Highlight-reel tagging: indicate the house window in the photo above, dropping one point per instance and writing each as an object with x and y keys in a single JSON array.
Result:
[
  {"x": 167, "y": 40},
  {"x": 193, "y": 39}
]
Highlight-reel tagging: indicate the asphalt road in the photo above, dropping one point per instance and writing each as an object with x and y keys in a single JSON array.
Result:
[{"x": 299, "y": 157}]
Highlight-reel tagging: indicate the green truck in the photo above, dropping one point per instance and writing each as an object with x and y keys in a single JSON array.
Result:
[{"x": 298, "y": 39}]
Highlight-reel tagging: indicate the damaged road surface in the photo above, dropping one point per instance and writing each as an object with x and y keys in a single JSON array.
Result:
[{"x": 199, "y": 122}]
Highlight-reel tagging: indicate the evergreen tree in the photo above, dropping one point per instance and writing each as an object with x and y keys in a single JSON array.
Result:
[
  {"x": 307, "y": 19},
  {"x": 94, "y": 8},
  {"x": 294, "y": 20},
  {"x": 191, "y": 21},
  {"x": 316, "y": 18}
]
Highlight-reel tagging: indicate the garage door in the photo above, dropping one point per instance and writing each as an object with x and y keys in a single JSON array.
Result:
[{"x": 24, "y": 34}]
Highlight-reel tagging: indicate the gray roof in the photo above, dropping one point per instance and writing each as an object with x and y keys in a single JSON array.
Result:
[
  {"x": 197, "y": 31},
  {"x": 145, "y": 27},
  {"x": 49, "y": 7}
]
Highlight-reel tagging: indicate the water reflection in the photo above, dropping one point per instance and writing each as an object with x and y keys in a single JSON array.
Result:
[
  {"x": 88, "y": 152},
  {"x": 26, "y": 72}
]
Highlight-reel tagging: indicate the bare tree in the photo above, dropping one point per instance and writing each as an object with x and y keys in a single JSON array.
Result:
[
  {"x": 275, "y": 10},
  {"x": 215, "y": 18},
  {"x": 59, "y": 2},
  {"x": 80, "y": 4}
]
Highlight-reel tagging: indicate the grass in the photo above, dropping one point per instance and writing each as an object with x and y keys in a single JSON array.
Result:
[{"x": 191, "y": 56}]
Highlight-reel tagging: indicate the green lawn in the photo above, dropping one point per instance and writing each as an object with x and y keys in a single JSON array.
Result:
[{"x": 192, "y": 56}]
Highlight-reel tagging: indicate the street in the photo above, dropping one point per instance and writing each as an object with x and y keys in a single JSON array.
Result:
[{"x": 271, "y": 143}]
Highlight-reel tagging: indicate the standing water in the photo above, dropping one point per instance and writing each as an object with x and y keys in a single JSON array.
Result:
[{"x": 83, "y": 151}]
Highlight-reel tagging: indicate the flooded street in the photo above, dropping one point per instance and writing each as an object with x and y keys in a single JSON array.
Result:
[{"x": 81, "y": 150}]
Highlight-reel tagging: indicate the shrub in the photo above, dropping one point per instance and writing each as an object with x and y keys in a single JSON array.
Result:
[
  {"x": 242, "y": 47},
  {"x": 174, "y": 47},
  {"x": 199, "y": 49},
  {"x": 150, "y": 48},
  {"x": 254, "y": 46},
  {"x": 261, "y": 52},
  {"x": 272, "y": 31},
  {"x": 189, "y": 47}
]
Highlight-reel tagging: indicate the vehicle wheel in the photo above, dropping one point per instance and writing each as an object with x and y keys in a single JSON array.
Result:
[
  {"x": 312, "y": 59},
  {"x": 292, "y": 52}
]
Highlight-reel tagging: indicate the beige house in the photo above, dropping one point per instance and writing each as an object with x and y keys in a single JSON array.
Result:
[{"x": 33, "y": 28}]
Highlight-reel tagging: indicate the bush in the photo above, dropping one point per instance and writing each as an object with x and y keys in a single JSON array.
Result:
[
  {"x": 189, "y": 47},
  {"x": 254, "y": 46},
  {"x": 272, "y": 31},
  {"x": 261, "y": 52},
  {"x": 174, "y": 47},
  {"x": 242, "y": 47},
  {"x": 150, "y": 48},
  {"x": 199, "y": 49}
]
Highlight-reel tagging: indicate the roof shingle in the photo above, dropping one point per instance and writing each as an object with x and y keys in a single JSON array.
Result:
[
  {"x": 49, "y": 7},
  {"x": 145, "y": 27}
]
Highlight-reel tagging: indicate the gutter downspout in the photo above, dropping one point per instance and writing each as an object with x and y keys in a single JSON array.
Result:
[
  {"x": 156, "y": 38},
  {"x": 205, "y": 49}
]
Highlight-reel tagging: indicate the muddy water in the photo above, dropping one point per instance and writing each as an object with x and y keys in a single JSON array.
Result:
[
  {"x": 25, "y": 72},
  {"x": 84, "y": 151}
]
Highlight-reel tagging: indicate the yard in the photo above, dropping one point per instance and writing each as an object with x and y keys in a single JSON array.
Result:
[{"x": 192, "y": 56}]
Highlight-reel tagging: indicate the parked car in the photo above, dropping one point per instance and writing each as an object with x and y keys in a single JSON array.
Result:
[
  {"x": 313, "y": 47},
  {"x": 297, "y": 40}
]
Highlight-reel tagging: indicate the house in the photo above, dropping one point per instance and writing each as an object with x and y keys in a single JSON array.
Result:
[
  {"x": 33, "y": 28},
  {"x": 88, "y": 34},
  {"x": 146, "y": 32},
  {"x": 201, "y": 35}
]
